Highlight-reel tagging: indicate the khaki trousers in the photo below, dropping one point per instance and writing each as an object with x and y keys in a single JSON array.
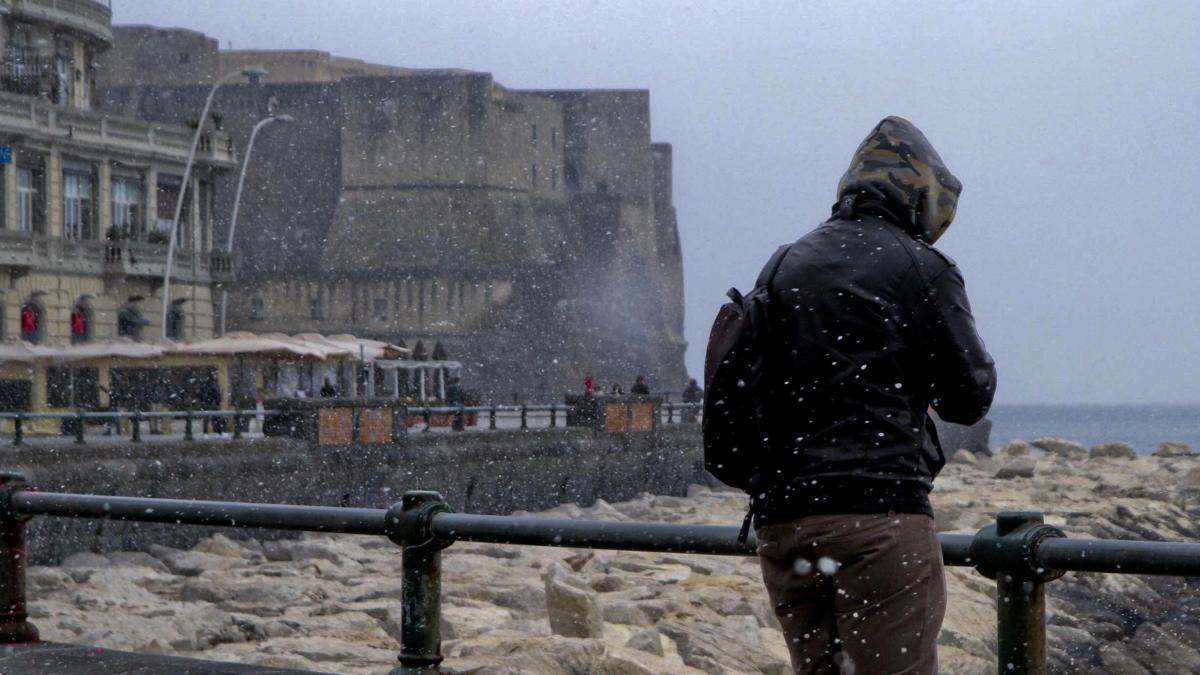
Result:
[{"x": 857, "y": 594}]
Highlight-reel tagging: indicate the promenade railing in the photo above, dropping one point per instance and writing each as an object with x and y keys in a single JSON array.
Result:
[
  {"x": 487, "y": 418},
  {"x": 1020, "y": 552}
]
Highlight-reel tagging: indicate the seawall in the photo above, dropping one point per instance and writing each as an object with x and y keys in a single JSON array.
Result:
[{"x": 495, "y": 472}]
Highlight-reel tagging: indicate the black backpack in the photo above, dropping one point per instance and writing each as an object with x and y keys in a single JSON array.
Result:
[{"x": 735, "y": 379}]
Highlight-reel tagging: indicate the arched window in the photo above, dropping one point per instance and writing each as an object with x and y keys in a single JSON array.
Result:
[
  {"x": 81, "y": 322},
  {"x": 33, "y": 322},
  {"x": 175, "y": 321},
  {"x": 130, "y": 320}
]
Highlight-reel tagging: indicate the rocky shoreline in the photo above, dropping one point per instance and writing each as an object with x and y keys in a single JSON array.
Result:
[{"x": 331, "y": 603}]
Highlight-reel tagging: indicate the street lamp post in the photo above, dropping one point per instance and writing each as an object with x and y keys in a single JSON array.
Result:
[
  {"x": 252, "y": 73},
  {"x": 237, "y": 197}
]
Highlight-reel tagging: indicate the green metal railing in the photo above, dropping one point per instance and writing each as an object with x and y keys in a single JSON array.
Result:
[{"x": 1020, "y": 552}]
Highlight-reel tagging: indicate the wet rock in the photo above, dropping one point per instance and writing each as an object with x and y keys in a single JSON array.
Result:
[
  {"x": 646, "y": 640},
  {"x": 1021, "y": 467},
  {"x": 1173, "y": 449},
  {"x": 137, "y": 559},
  {"x": 85, "y": 560},
  {"x": 219, "y": 544},
  {"x": 1061, "y": 447},
  {"x": 1014, "y": 449},
  {"x": 573, "y": 611},
  {"x": 192, "y": 563},
  {"x": 1115, "y": 450},
  {"x": 706, "y": 646}
]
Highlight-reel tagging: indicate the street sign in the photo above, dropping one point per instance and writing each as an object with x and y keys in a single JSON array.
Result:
[{"x": 5, "y": 154}]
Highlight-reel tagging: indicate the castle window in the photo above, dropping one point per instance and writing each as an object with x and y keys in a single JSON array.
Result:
[
  {"x": 408, "y": 288},
  {"x": 379, "y": 312},
  {"x": 315, "y": 311},
  {"x": 554, "y": 177},
  {"x": 533, "y": 136},
  {"x": 130, "y": 320},
  {"x": 554, "y": 137},
  {"x": 184, "y": 57},
  {"x": 81, "y": 323},
  {"x": 533, "y": 175},
  {"x": 256, "y": 309}
]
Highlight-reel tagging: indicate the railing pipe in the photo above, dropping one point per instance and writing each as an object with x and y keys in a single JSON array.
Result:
[
  {"x": 193, "y": 512},
  {"x": 421, "y": 590}
]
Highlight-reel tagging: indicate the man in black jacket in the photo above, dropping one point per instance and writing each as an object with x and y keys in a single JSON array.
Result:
[{"x": 870, "y": 328}]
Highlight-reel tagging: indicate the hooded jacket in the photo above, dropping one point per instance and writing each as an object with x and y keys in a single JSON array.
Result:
[{"x": 870, "y": 327}]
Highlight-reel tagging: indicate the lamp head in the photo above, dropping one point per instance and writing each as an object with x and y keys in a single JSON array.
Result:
[{"x": 284, "y": 118}]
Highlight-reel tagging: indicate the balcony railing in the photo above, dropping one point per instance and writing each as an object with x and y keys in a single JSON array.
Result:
[
  {"x": 90, "y": 17},
  {"x": 39, "y": 118}
]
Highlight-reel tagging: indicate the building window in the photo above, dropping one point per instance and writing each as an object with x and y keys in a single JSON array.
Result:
[
  {"x": 33, "y": 322},
  {"x": 22, "y": 76},
  {"x": 79, "y": 216},
  {"x": 127, "y": 220},
  {"x": 206, "y": 193},
  {"x": 72, "y": 387},
  {"x": 554, "y": 137},
  {"x": 130, "y": 321},
  {"x": 380, "y": 309},
  {"x": 175, "y": 321},
  {"x": 184, "y": 57},
  {"x": 554, "y": 177},
  {"x": 533, "y": 175},
  {"x": 315, "y": 311},
  {"x": 408, "y": 289},
  {"x": 81, "y": 323},
  {"x": 30, "y": 182},
  {"x": 256, "y": 309},
  {"x": 168, "y": 188},
  {"x": 533, "y": 134},
  {"x": 64, "y": 73}
]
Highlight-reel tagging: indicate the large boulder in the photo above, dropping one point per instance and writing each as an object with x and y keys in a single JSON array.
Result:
[
  {"x": 1061, "y": 447},
  {"x": 572, "y": 609},
  {"x": 1014, "y": 448},
  {"x": 192, "y": 563},
  {"x": 1116, "y": 450},
  {"x": 964, "y": 456},
  {"x": 1021, "y": 467},
  {"x": 1173, "y": 449}
]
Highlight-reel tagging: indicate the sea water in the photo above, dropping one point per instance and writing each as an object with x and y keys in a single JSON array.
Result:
[{"x": 1142, "y": 426}]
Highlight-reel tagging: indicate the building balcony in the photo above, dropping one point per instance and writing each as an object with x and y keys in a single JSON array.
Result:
[
  {"x": 89, "y": 19},
  {"x": 22, "y": 252},
  {"x": 36, "y": 118}
]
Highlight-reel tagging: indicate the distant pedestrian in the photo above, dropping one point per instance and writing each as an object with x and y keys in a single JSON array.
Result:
[
  {"x": 589, "y": 385},
  {"x": 617, "y": 390},
  {"x": 327, "y": 390},
  {"x": 640, "y": 388},
  {"x": 456, "y": 398},
  {"x": 692, "y": 394}
]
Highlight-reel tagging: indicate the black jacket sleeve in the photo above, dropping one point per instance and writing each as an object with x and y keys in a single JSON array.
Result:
[{"x": 963, "y": 373}]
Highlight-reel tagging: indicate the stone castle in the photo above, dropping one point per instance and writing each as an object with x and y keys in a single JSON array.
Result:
[{"x": 530, "y": 235}]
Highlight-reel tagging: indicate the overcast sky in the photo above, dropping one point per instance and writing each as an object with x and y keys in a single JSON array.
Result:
[{"x": 1072, "y": 126}]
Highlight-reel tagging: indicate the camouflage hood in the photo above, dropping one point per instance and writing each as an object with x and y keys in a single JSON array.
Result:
[{"x": 897, "y": 165}]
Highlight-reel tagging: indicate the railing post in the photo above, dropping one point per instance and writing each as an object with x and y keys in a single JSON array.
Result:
[
  {"x": 670, "y": 413},
  {"x": 18, "y": 430},
  {"x": 1007, "y": 552},
  {"x": 409, "y": 525},
  {"x": 459, "y": 423},
  {"x": 524, "y": 418},
  {"x": 237, "y": 424},
  {"x": 187, "y": 425},
  {"x": 14, "y": 623},
  {"x": 492, "y": 418},
  {"x": 553, "y": 415},
  {"x": 79, "y": 424},
  {"x": 425, "y": 414},
  {"x": 136, "y": 424}
]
